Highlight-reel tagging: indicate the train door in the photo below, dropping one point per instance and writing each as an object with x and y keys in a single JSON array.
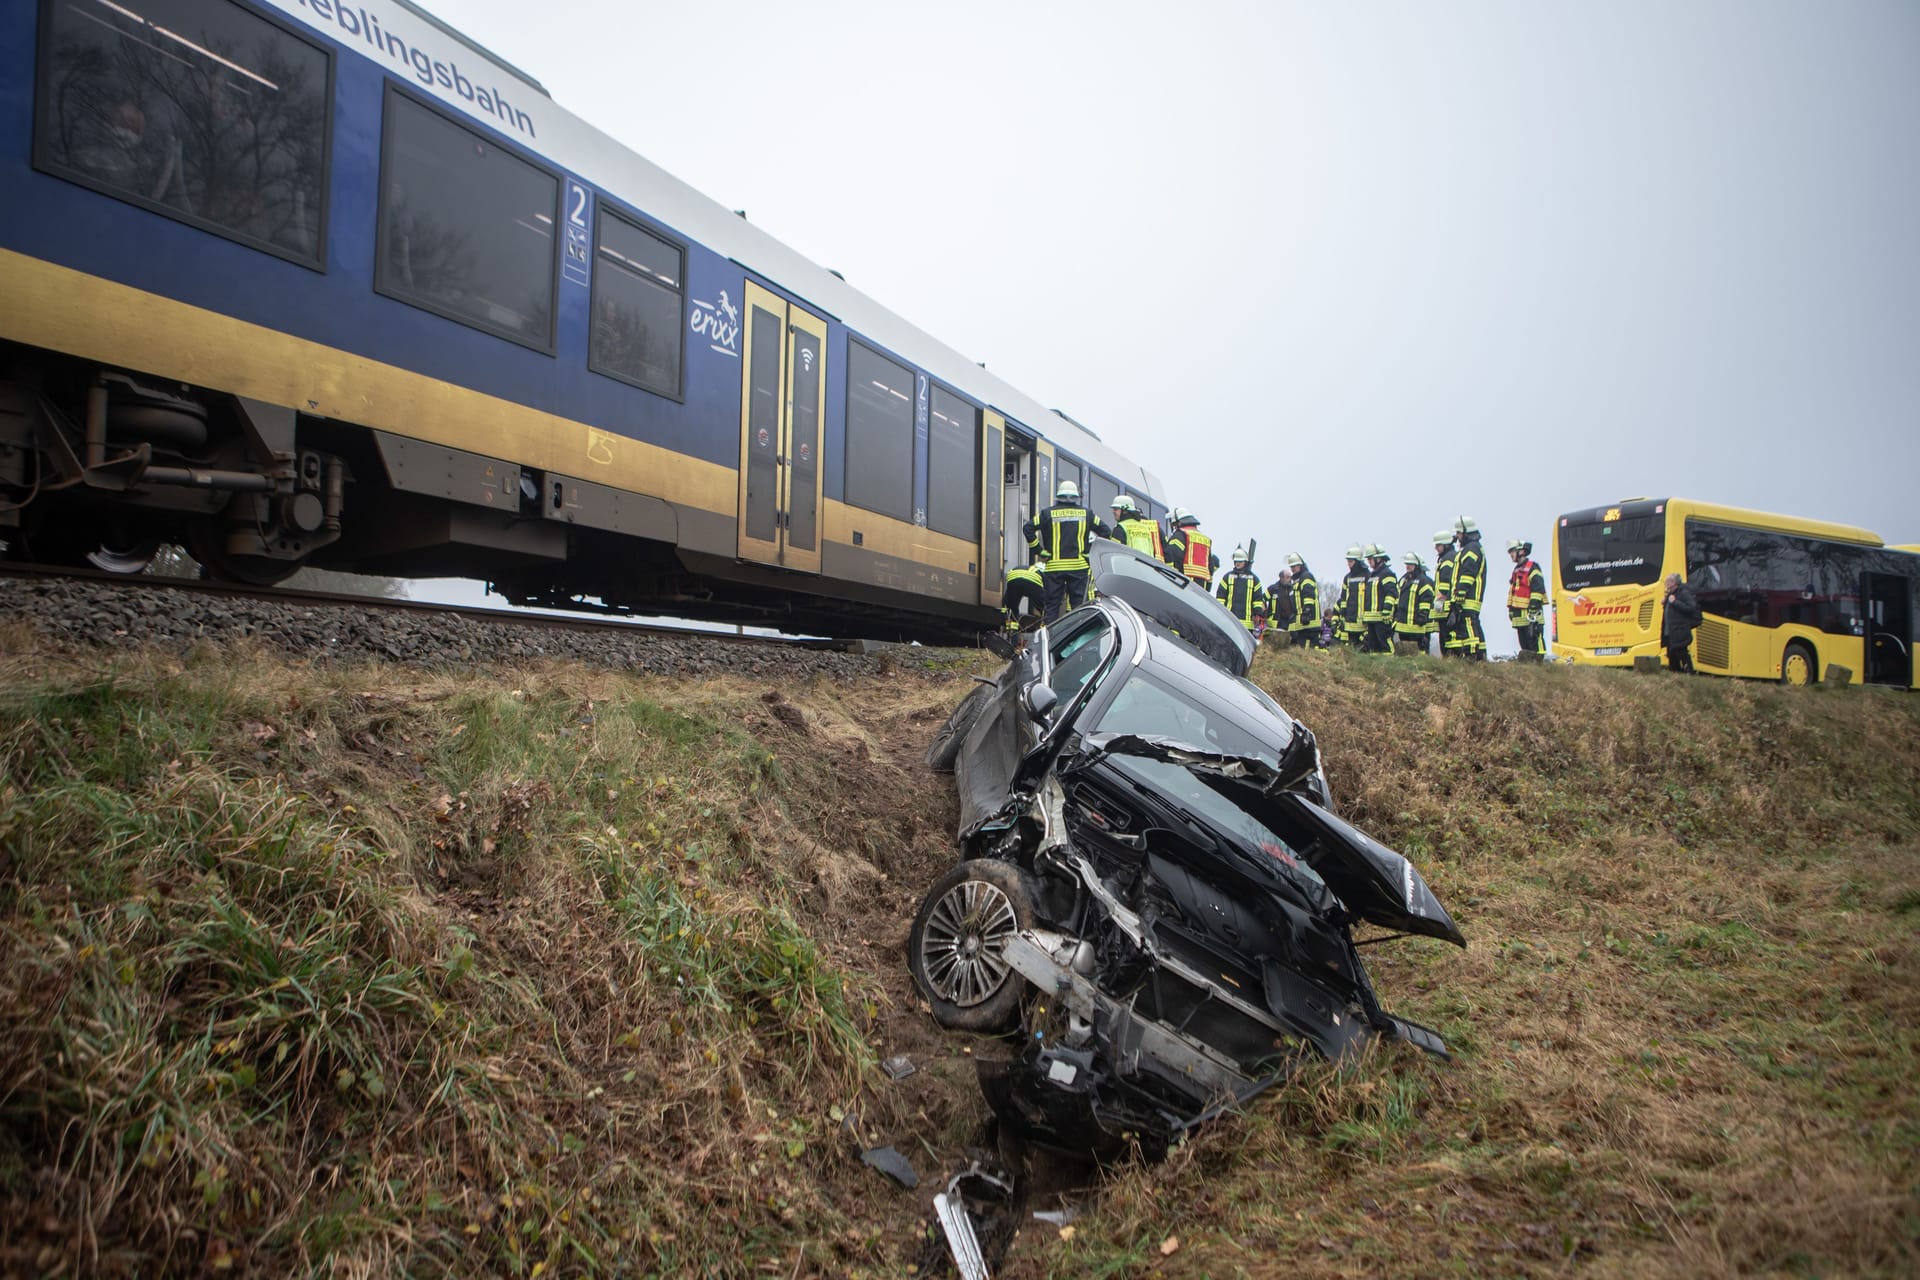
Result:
[
  {"x": 1016, "y": 486},
  {"x": 1889, "y": 629},
  {"x": 993, "y": 525},
  {"x": 783, "y": 400},
  {"x": 1042, "y": 474}
]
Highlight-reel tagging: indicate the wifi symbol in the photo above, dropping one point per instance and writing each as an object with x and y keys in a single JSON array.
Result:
[{"x": 806, "y": 358}]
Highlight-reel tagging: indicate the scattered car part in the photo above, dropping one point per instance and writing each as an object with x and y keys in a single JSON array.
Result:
[
  {"x": 955, "y": 1208},
  {"x": 890, "y": 1162}
]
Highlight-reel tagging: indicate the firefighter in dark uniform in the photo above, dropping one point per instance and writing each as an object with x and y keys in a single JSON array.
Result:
[
  {"x": 1280, "y": 607},
  {"x": 1413, "y": 614},
  {"x": 1061, "y": 533},
  {"x": 1350, "y": 629},
  {"x": 1383, "y": 595},
  {"x": 1469, "y": 590},
  {"x": 1304, "y": 626},
  {"x": 1189, "y": 550},
  {"x": 1024, "y": 597},
  {"x": 1443, "y": 558},
  {"x": 1527, "y": 601},
  {"x": 1242, "y": 593}
]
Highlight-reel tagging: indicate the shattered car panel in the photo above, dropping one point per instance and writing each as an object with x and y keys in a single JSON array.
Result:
[
  {"x": 1163, "y": 832},
  {"x": 1171, "y": 600}
]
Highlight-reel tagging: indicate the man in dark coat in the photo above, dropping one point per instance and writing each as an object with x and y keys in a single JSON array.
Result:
[{"x": 1681, "y": 616}]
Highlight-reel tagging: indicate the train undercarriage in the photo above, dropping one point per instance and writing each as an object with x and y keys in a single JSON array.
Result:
[{"x": 101, "y": 467}]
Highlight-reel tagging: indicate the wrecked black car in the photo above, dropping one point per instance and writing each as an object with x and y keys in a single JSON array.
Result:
[
  {"x": 1166, "y": 596},
  {"x": 1154, "y": 888}
]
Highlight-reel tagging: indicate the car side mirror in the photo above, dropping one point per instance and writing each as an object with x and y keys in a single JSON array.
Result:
[{"x": 1041, "y": 700}]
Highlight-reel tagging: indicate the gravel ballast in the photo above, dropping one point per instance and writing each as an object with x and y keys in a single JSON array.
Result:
[{"x": 95, "y": 615}]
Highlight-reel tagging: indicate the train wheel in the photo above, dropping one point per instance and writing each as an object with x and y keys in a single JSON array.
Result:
[
  {"x": 112, "y": 550},
  {"x": 1798, "y": 666},
  {"x": 207, "y": 542}
]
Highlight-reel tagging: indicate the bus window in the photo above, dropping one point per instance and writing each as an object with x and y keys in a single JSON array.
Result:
[{"x": 1606, "y": 553}]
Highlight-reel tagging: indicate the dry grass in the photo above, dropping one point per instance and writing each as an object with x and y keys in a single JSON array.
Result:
[
  {"x": 552, "y": 971},
  {"x": 1688, "y": 1025}
]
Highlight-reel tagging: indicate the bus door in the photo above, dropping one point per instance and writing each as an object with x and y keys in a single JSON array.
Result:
[
  {"x": 1889, "y": 604},
  {"x": 783, "y": 400}
]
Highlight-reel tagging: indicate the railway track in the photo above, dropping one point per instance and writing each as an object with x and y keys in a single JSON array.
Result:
[
  {"x": 507, "y": 616},
  {"x": 86, "y": 611}
]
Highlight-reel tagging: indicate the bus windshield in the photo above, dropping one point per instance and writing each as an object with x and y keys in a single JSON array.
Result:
[{"x": 1608, "y": 553}]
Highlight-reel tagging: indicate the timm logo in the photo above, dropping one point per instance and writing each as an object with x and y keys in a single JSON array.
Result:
[{"x": 1585, "y": 608}]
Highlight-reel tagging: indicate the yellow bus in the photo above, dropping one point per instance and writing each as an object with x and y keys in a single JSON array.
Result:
[{"x": 1781, "y": 598}]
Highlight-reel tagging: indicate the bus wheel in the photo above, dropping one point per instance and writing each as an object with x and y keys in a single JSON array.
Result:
[{"x": 1798, "y": 665}]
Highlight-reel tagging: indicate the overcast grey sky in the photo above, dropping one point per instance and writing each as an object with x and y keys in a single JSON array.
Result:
[{"x": 1340, "y": 271}]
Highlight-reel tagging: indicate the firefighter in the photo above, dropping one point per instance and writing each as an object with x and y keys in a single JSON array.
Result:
[
  {"x": 1189, "y": 550},
  {"x": 1242, "y": 593},
  {"x": 1024, "y": 597},
  {"x": 1383, "y": 596},
  {"x": 1527, "y": 601},
  {"x": 1061, "y": 533},
  {"x": 1135, "y": 529},
  {"x": 1413, "y": 614},
  {"x": 1443, "y": 558},
  {"x": 1351, "y": 630},
  {"x": 1469, "y": 590},
  {"x": 1280, "y": 606},
  {"x": 1304, "y": 626}
]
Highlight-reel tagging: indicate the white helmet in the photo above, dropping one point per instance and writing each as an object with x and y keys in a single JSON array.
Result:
[
  {"x": 1121, "y": 502},
  {"x": 1067, "y": 489},
  {"x": 1465, "y": 525},
  {"x": 1294, "y": 561},
  {"x": 1413, "y": 558},
  {"x": 1443, "y": 538},
  {"x": 1239, "y": 555}
]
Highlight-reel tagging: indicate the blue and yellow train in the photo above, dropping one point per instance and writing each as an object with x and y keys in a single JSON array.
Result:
[{"x": 323, "y": 282}]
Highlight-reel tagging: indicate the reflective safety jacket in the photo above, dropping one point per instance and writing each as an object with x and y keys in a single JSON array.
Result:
[
  {"x": 1353, "y": 590},
  {"x": 1306, "y": 601},
  {"x": 1062, "y": 532},
  {"x": 1413, "y": 613},
  {"x": 1023, "y": 583},
  {"x": 1527, "y": 593},
  {"x": 1470, "y": 575},
  {"x": 1443, "y": 580},
  {"x": 1141, "y": 534},
  {"x": 1243, "y": 595},
  {"x": 1382, "y": 593},
  {"x": 1191, "y": 552}
]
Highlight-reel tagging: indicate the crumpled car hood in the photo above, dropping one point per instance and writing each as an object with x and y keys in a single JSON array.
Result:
[{"x": 1373, "y": 882}]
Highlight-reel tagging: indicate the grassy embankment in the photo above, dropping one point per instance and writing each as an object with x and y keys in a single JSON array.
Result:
[{"x": 558, "y": 971}]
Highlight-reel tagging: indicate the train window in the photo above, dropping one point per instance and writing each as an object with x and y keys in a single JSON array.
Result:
[
  {"x": 638, "y": 289},
  {"x": 953, "y": 466},
  {"x": 466, "y": 227},
  {"x": 1100, "y": 494},
  {"x": 879, "y": 470},
  {"x": 1065, "y": 469},
  {"x": 204, "y": 112}
]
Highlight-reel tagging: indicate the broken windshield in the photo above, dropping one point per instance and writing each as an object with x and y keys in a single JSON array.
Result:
[{"x": 1149, "y": 709}]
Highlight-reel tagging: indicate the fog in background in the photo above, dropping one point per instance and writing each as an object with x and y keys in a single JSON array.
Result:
[{"x": 1341, "y": 272}]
